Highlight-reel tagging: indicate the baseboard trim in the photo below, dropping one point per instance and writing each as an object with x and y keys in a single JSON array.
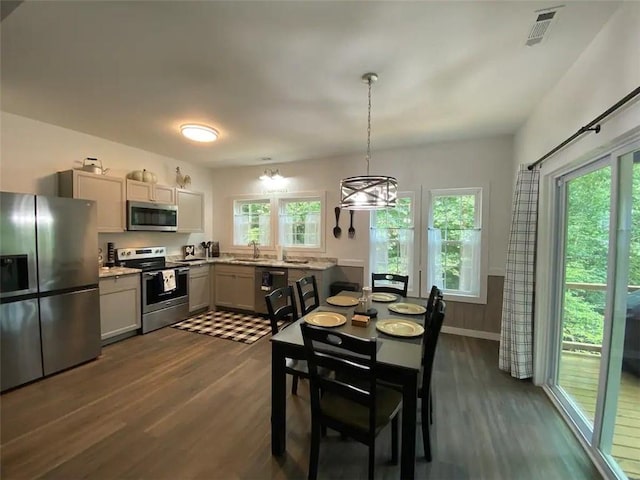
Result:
[{"x": 465, "y": 332}]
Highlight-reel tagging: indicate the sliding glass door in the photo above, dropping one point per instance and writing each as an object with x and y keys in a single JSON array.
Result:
[
  {"x": 619, "y": 435},
  {"x": 596, "y": 354},
  {"x": 587, "y": 211}
]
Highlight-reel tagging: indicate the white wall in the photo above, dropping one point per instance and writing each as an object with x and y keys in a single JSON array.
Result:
[
  {"x": 31, "y": 152},
  {"x": 452, "y": 164},
  {"x": 604, "y": 73}
]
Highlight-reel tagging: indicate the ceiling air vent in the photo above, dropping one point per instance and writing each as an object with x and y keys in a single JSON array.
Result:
[{"x": 541, "y": 26}]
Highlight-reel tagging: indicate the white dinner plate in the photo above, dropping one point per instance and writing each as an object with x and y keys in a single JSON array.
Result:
[
  {"x": 383, "y": 297},
  {"x": 399, "y": 328},
  {"x": 325, "y": 319},
  {"x": 407, "y": 308},
  {"x": 342, "y": 301}
]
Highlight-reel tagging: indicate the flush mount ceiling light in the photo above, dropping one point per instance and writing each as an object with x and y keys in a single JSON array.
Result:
[
  {"x": 271, "y": 175},
  {"x": 368, "y": 192},
  {"x": 199, "y": 133}
]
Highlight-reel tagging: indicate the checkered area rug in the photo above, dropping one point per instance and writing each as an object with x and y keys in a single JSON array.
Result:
[{"x": 238, "y": 327}]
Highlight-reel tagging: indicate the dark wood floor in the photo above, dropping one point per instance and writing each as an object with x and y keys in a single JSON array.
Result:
[{"x": 179, "y": 405}]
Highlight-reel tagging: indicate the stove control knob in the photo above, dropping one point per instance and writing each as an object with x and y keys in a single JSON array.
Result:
[
  {"x": 158, "y": 251},
  {"x": 127, "y": 252}
]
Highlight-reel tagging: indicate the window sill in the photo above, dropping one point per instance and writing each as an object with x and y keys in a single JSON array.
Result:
[{"x": 477, "y": 299}]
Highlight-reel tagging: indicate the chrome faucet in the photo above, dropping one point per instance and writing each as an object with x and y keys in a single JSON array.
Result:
[{"x": 256, "y": 250}]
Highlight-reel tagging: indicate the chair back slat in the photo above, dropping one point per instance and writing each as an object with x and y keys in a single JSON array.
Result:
[
  {"x": 349, "y": 357},
  {"x": 281, "y": 305},
  {"x": 399, "y": 283},
  {"x": 308, "y": 294}
]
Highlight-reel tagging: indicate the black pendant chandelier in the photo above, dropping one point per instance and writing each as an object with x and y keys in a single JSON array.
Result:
[{"x": 368, "y": 192}]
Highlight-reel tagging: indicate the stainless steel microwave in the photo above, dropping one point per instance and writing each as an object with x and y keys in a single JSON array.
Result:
[{"x": 154, "y": 217}]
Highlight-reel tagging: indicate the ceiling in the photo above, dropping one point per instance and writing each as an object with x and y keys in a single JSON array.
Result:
[{"x": 282, "y": 79}]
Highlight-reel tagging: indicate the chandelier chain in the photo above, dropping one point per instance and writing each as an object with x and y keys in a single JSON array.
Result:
[{"x": 369, "y": 128}]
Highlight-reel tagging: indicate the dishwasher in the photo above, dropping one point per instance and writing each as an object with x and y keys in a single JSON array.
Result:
[{"x": 268, "y": 280}]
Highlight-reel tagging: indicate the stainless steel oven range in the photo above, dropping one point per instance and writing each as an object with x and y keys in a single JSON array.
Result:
[{"x": 165, "y": 286}]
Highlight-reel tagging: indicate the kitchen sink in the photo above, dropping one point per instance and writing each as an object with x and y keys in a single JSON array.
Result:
[
  {"x": 252, "y": 260},
  {"x": 193, "y": 260},
  {"x": 300, "y": 262}
]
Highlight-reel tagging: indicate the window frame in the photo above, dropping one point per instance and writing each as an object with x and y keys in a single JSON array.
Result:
[
  {"x": 243, "y": 199},
  {"x": 282, "y": 199},
  {"x": 413, "y": 287},
  {"x": 275, "y": 202},
  {"x": 481, "y": 192}
]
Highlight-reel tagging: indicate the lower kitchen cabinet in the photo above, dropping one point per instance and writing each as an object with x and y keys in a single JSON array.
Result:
[
  {"x": 323, "y": 280},
  {"x": 199, "y": 287},
  {"x": 234, "y": 286},
  {"x": 119, "y": 305}
]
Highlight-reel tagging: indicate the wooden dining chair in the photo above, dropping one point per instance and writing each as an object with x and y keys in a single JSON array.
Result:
[
  {"x": 432, "y": 332},
  {"x": 358, "y": 408},
  {"x": 281, "y": 305},
  {"x": 434, "y": 294},
  {"x": 390, "y": 283},
  {"x": 308, "y": 294}
]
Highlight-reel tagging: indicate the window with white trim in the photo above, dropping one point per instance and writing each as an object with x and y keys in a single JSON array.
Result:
[
  {"x": 300, "y": 222},
  {"x": 392, "y": 238},
  {"x": 454, "y": 241},
  {"x": 252, "y": 222}
]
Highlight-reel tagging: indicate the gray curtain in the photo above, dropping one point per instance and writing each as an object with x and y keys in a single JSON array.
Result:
[{"x": 516, "y": 336}]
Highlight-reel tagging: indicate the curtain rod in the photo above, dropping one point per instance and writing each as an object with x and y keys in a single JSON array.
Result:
[{"x": 591, "y": 126}]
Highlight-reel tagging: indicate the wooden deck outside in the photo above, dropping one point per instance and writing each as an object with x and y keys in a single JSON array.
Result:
[{"x": 579, "y": 377}]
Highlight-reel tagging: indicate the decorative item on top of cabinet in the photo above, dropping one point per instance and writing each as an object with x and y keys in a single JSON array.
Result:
[
  {"x": 93, "y": 165},
  {"x": 190, "y": 211},
  {"x": 143, "y": 175},
  {"x": 150, "y": 192},
  {"x": 183, "y": 181},
  {"x": 108, "y": 192}
]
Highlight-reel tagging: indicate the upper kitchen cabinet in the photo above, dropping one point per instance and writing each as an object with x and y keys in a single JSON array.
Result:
[
  {"x": 108, "y": 192},
  {"x": 150, "y": 192},
  {"x": 190, "y": 211}
]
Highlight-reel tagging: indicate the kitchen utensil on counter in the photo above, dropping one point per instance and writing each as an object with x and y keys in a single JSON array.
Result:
[
  {"x": 205, "y": 247},
  {"x": 93, "y": 165},
  {"x": 337, "y": 231},
  {"x": 351, "y": 231}
]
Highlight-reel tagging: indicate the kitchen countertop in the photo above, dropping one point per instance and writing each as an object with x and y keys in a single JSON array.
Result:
[
  {"x": 117, "y": 271},
  {"x": 312, "y": 264}
]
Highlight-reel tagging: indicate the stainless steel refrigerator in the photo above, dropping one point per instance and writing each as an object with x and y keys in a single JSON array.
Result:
[{"x": 49, "y": 297}]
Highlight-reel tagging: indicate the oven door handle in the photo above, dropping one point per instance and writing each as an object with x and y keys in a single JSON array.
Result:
[{"x": 181, "y": 270}]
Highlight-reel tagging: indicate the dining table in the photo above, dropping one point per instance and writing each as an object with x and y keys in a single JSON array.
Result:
[{"x": 398, "y": 361}]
